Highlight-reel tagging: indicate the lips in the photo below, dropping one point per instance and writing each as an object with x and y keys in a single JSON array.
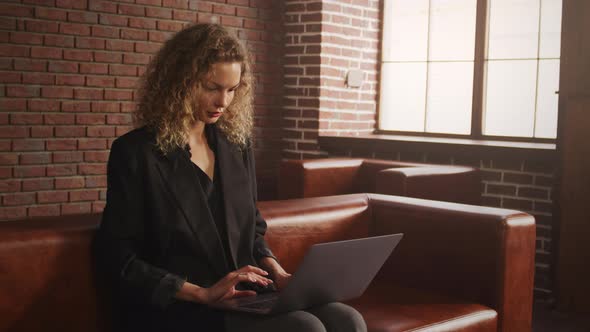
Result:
[{"x": 214, "y": 114}]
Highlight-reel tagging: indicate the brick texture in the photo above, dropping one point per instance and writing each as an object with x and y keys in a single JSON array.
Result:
[
  {"x": 324, "y": 40},
  {"x": 68, "y": 71},
  {"x": 528, "y": 188}
]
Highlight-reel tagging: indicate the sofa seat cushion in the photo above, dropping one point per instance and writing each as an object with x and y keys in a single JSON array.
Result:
[{"x": 416, "y": 310}]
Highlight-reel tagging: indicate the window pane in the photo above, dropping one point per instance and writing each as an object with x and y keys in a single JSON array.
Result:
[
  {"x": 405, "y": 31},
  {"x": 448, "y": 105},
  {"x": 546, "y": 125},
  {"x": 550, "y": 29},
  {"x": 452, "y": 30},
  {"x": 513, "y": 29},
  {"x": 403, "y": 89},
  {"x": 509, "y": 105}
]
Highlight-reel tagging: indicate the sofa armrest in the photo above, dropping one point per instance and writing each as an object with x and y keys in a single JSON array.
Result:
[
  {"x": 319, "y": 177},
  {"x": 476, "y": 253},
  {"x": 442, "y": 183},
  {"x": 294, "y": 225}
]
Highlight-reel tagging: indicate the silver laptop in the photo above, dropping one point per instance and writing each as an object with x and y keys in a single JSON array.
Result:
[{"x": 333, "y": 271}]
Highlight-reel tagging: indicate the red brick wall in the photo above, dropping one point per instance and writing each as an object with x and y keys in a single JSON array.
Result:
[
  {"x": 324, "y": 40},
  {"x": 68, "y": 69},
  {"x": 526, "y": 185}
]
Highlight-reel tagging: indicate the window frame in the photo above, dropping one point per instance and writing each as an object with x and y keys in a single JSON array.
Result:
[{"x": 478, "y": 88}]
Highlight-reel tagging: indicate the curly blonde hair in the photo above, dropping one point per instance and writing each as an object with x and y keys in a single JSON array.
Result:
[{"x": 172, "y": 82}]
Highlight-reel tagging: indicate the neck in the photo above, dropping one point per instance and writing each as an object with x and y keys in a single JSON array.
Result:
[{"x": 197, "y": 133}]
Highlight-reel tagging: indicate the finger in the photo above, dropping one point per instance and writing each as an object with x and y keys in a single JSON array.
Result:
[
  {"x": 238, "y": 275},
  {"x": 243, "y": 293},
  {"x": 243, "y": 277},
  {"x": 253, "y": 269},
  {"x": 250, "y": 268},
  {"x": 263, "y": 280},
  {"x": 219, "y": 293},
  {"x": 229, "y": 282},
  {"x": 255, "y": 278}
]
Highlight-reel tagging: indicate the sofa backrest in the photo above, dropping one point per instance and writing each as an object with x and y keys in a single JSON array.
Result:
[
  {"x": 340, "y": 176},
  {"x": 315, "y": 178},
  {"x": 46, "y": 276},
  {"x": 294, "y": 225},
  {"x": 366, "y": 177},
  {"x": 332, "y": 176},
  {"x": 460, "y": 184}
]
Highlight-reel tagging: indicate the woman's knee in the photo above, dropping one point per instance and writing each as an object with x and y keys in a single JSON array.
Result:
[
  {"x": 340, "y": 317},
  {"x": 303, "y": 321},
  {"x": 295, "y": 321}
]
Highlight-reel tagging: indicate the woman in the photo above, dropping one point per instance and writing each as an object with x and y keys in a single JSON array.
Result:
[{"x": 180, "y": 229}]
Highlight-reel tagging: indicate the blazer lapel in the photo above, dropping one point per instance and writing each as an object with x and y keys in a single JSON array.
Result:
[
  {"x": 234, "y": 181},
  {"x": 178, "y": 174}
]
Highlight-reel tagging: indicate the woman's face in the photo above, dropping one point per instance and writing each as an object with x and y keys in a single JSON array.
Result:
[{"x": 217, "y": 90}]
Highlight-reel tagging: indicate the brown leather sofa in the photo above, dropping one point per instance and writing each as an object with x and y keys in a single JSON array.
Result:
[
  {"x": 337, "y": 176},
  {"x": 458, "y": 267}
]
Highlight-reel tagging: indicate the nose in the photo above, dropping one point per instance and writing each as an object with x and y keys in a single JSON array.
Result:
[{"x": 223, "y": 99}]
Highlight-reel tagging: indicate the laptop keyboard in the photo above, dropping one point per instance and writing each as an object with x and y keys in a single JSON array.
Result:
[
  {"x": 262, "y": 301},
  {"x": 266, "y": 304}
]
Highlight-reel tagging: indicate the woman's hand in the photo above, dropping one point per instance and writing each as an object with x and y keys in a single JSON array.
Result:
[
  {"x": 280, "y": 276},
  {"x": 281, "y": 279},
  {"x": 226, "y": 287}
]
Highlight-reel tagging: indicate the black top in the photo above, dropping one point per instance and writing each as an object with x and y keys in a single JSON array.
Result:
[{"x": 214, "y": 194}]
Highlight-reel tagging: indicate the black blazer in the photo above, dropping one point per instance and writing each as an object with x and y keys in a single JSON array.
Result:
[{"x": 157, "y": 224}]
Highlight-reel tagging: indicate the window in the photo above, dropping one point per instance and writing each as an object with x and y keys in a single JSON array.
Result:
[{"x": 471, "y": 68}]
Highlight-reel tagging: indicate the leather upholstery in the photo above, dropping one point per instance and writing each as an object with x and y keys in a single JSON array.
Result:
[
  {"x": 441, "y": 183},
  {"x": 458, "y": 267},
  {"x": 316, "y": 178},
  {"x": 295, "y": 228},
  {"x": 481, "y": 254},
  {"x": 47, "y": 281},
  {"x": 411, "y": 309},
  {"x": 337, "y": 176}
]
